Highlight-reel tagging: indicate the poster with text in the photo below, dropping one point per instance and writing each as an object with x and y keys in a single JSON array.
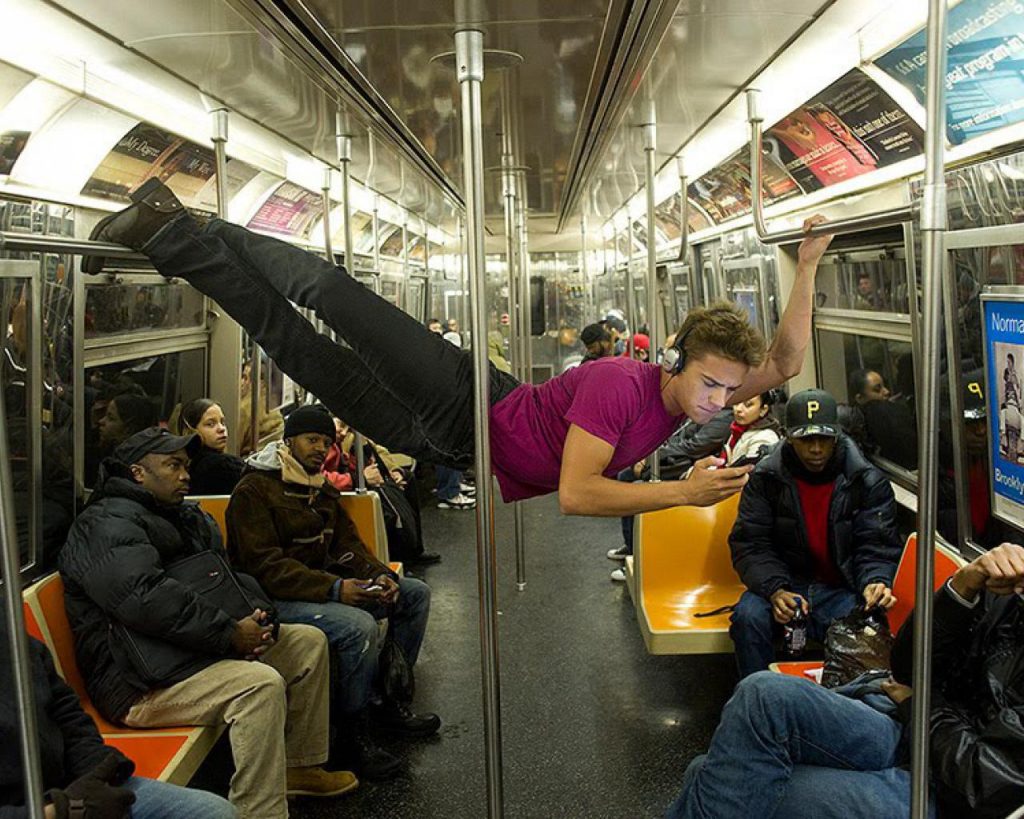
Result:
[
  {"x": 288, "y": 211},
  {"x": 146, "y": 152},
  {"x": 724, "y": 192},
  {"x": 849, "y": 129},
  {"x": 985, "y": 61},
  {"x": 1003, "y": 318}
]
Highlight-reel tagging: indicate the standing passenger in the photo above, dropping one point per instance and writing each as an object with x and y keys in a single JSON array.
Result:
[{"x": 402, "y": 386}]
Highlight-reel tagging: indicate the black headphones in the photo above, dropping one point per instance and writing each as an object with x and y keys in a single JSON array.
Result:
[{"x": 674, "y": 359}]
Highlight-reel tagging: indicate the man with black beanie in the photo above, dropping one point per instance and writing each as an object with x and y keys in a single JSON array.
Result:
[{"x": 287, "y": 527}]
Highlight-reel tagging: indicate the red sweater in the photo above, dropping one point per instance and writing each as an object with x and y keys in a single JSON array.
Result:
[{"x": 815, "y": 501}]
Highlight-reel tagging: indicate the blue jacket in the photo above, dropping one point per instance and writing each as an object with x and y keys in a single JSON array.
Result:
[{"x": 769, "y": 545}]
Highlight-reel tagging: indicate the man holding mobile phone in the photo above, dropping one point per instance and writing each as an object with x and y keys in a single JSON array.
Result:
[{"x": 287, "y": 527}]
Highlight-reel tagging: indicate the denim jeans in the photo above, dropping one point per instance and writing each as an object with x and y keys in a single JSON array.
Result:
[
  {"x": 161, "y": 800},
  {"x": 788, "y": 747},
  {"x": 354, "y": 638},
  {"x": 627, "y": 476},
  {"x": 753, "y": 628},
  {"x": 449, "y": 482},
  {"x": 396, "y": 382}
]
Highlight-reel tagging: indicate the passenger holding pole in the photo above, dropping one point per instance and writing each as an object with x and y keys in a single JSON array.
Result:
[{"x": 409, "y": 390}]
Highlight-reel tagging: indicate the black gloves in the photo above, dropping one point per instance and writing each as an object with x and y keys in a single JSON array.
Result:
[{"x": 92, "y": 796}]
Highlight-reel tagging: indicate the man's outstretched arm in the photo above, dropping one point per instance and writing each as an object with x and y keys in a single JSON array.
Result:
[
  {"x": 786, "y": 354},
  {"x": 584, "y": 490}
]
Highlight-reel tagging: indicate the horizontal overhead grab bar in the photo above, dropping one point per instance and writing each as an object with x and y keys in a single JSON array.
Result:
[
  {"x": 852, "y": 224},
  {"x": 42, "y": 243}
]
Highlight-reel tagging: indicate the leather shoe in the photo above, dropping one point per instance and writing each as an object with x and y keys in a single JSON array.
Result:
[
  {"x": 397, "y": 718},
  {"x": 425, "y": 559},
  {"x": 153, "y": 206},
  {"x": 356, "y": 750}
]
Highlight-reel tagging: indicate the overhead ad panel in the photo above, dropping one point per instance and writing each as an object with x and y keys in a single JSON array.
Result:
[
  {"x": 288, "y": 211},
  {"x": 724, "y": 192},
  {"x": 984, "y": 80},
  {"x": 849, "y": 129}
]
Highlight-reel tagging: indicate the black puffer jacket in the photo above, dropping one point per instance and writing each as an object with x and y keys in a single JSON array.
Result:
[
  {"x": 69, "y": 744},
  {"x": 112, "y": 567},
  {"x": 977, "y": 708},
  {"x": 769, "y": 543}
]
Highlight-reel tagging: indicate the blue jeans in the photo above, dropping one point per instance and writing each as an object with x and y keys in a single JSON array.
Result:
[
  {"x": 449, "y": 483},
  {"x": 398, "y": 383},
  {"x": 160, "y": 800},
  {"x": 627, "y": 476},
  {"x": 753, "y": 628},
  {"x": 787, "y": 747},
  {"x": 353, "y": 637}
]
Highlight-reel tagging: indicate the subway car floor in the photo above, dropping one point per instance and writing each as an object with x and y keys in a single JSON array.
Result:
[{"x": 593, "y": 726}]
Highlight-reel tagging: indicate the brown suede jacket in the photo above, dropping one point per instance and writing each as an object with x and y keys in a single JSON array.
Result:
[{"x": 288, "y": 530}]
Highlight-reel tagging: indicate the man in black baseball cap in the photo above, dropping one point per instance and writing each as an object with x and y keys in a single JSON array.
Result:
[
  {"x": 816, "y": 531},
  {"x": 598, "y": 341},
  {"x": 158, "y": 461}
]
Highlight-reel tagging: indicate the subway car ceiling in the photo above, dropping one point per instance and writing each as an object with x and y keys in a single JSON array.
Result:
[{"x": 95, "y": 96}]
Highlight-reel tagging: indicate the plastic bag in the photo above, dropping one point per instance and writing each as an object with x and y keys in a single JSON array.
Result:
[
  {"x": 861, "y": 641},
  {"x": 395, "y": 677}
]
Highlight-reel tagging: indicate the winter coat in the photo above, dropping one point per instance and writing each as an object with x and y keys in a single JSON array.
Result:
[
  {"x": 977, "y": 706},
  {"x": 113, "y": 570},
  {"x": 690, "y": 443},
  {"x": 69, "y": 744},
  {"x": 214, "y": 473},
  {"x": 759, "y": 438},
  {"x": 288, "y": 529},
  {"x": 769, "y": 545}
]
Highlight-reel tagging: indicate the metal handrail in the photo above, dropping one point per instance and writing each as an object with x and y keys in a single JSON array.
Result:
[
  {"x": 852, "y": 224},
  {"x": 684, "y": 207},
  {"x": 45, "y": 243}
]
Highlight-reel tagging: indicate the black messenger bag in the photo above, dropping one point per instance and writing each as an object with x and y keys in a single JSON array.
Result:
[{"x": 160, "y": 663}]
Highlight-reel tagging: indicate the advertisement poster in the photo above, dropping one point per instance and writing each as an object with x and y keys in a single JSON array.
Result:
[
  {"x": 849, "y": 129},
  {"x": 984, "y": 80},
  {"x": 145, "y": 152},
  {"x": 12, "y": 143},
  {"x": 724, "y": 192},
  {"x": 1003, "y": 322},
  {"x": 289, "y": 211},
  {"x": 239, "y": 174}
]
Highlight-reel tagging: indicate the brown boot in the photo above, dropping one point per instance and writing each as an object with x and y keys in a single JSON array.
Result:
[
  {"x": 315, "y": 781},
  {"x": 153, "y": 206}
]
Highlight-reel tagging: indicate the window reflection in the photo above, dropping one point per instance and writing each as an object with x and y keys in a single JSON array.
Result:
[
  {"x": 127, "y": 307},
  {"x": 875, "y": 377},
  {"x": 873, "y": 280}
]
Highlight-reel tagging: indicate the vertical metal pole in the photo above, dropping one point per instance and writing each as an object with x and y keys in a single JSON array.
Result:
[
  {"x": 344, "y": 148},
  {"x": 631, "y": 317},
  {"x": 325, "y": 201},
  {"x": 405, "y": 262},
  {"x": 525, "y": 313},
  {"x": 515, "y": 323},
  {"x": 470, "y": 68},
  {"x": 376, "y": 237},
  {"x": 684, "y": 207},
  {"x": 35, "y": 413},
  {"x": 933, "y": 226},
  {"x": 18, "y": 641},
  {"x": 654, "y": 334},
  {"x": 588, "y": 287}
]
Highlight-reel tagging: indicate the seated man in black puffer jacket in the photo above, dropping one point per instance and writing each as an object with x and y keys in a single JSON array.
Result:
[
  {"x": 82, "y": 776},
  {"x": 271, "y": 693},
  {"x": 816, "y": 529}
]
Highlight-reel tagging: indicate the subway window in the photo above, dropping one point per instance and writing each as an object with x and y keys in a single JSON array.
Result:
[
  {"x": 128, "y": 305},
  {"x": 127, "y": 396},
  {"x": 873, "y": 280}
]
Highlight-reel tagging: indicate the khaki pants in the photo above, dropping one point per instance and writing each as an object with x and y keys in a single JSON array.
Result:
[{"x": 282, "y": 697}]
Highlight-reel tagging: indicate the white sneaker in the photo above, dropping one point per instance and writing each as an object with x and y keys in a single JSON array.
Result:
[
  {"x": 458, "y": 502},
  {"x": 618, "y": 554},
  {"x": 619, "y": 575},
  {"x": 467, "y": 489}
]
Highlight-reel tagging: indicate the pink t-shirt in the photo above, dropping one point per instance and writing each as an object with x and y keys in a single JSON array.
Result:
[{"x": 615, "y": 399}]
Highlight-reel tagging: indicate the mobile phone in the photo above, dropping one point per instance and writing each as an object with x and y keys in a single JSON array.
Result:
[{"x": 374, "y": 588}]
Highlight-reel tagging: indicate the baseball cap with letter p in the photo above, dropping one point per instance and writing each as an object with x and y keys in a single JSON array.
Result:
[{"x": 812, "y": 412}]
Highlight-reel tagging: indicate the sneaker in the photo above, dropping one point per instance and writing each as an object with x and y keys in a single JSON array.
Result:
[
  {"x": 153, "y": 206},
  {"x": 460, "y": 501},
  {"x": 467, "y": 489},
  {"x": 399, "y": 719},
  {"x": 619, "y": 575},
  {"x": 315, "y": 781},
  {"x": 619, "y": 554}
]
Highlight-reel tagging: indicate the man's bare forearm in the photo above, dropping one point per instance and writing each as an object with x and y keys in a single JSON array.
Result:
[
  {"x": 604, "y": 497},
  {"x": 794, "y": 332}
]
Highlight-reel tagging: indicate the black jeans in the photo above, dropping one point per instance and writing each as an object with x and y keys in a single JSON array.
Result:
[{"x": 396, "y": 382}]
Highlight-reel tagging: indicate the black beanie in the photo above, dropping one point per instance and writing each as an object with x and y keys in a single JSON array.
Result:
[{"x": 310, "y": 418}]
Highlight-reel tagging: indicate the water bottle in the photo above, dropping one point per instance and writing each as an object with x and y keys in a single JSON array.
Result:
[{"x": 795, "y": 632}]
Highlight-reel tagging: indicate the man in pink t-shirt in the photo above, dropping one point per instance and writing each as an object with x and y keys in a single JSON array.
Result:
[{"x": 408, "y": 389}]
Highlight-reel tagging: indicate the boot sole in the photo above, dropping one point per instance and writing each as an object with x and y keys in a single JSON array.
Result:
[
  {"x": 338, "y": 792},
  {"x": 95, "y": 264}
]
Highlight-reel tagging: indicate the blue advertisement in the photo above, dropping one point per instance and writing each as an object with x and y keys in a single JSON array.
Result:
[
  {"x": 1004, "y": 367},
  {"x": 985, "y": 69}
]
